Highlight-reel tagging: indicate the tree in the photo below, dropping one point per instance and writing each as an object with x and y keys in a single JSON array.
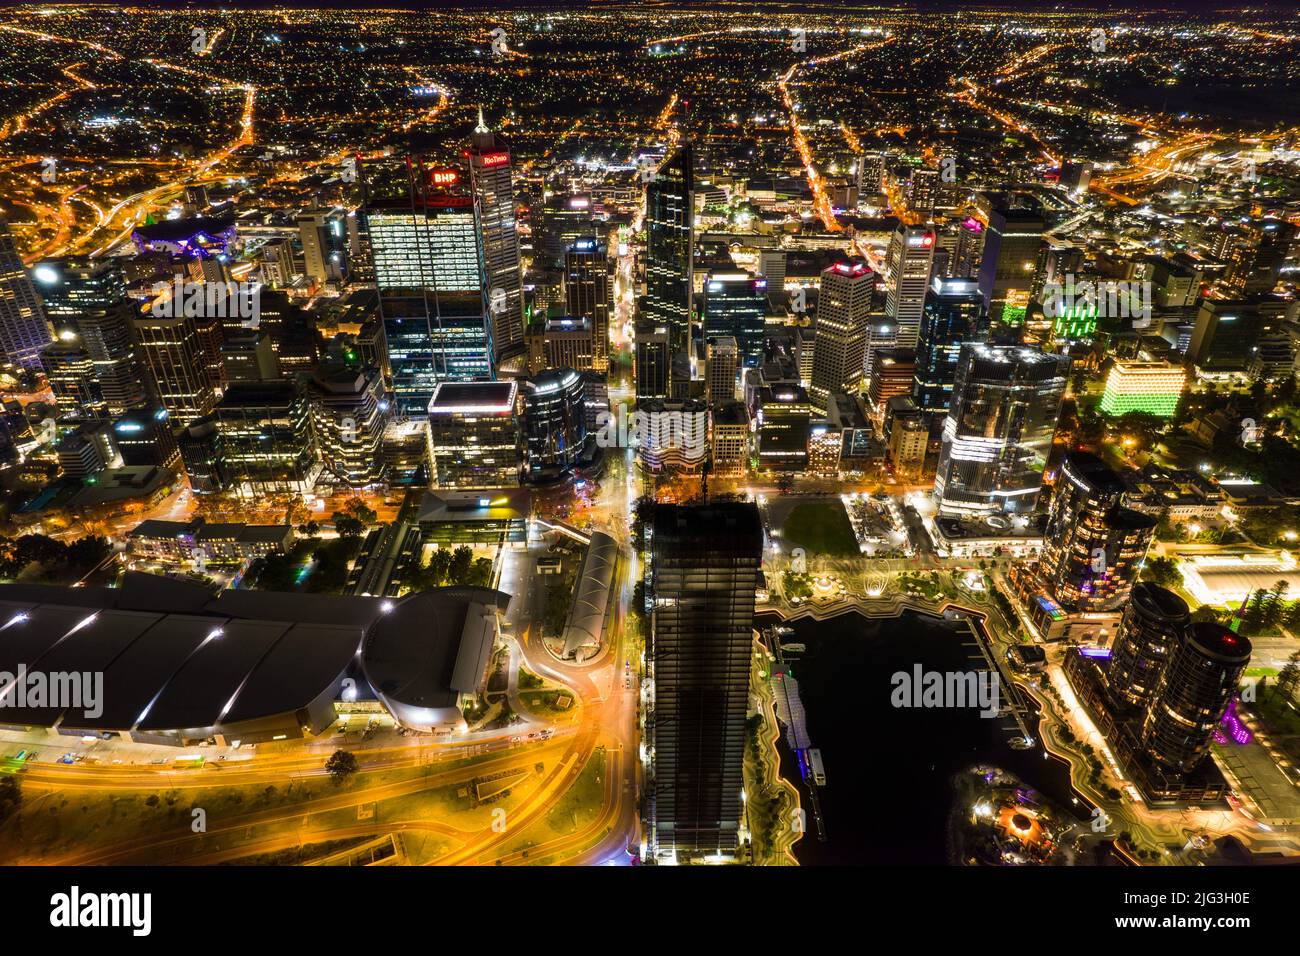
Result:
[
  {"x": 88, "y": 552},
  {"x": 358, "y": 509},
  {"x": 461, "y": 561},
  {"x": 1289, "y": 677},
  {"x": 347, "y": 526},
  {"x": 439, "y": 566},
  {"x": 341, "y": 765},
  {"x": 1162, "y": 571}
]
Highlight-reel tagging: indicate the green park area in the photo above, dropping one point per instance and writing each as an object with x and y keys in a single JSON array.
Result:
[{"x": 821, "y": 528}]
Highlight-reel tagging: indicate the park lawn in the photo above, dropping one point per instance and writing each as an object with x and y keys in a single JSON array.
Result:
[{"x": 821, "y": 528}]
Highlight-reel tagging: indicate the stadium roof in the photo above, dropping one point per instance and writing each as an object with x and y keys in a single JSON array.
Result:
[{"x": 180, "y": 660}]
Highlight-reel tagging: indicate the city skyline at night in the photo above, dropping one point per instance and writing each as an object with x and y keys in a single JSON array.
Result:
[{"x": 656, "y": 434}]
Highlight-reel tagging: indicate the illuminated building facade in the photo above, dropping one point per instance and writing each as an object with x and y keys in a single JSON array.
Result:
[
  {"x": 427, "y": 253},
  {"x": 24, "y": 330},
  {"x": 349, "y": 413},
  {"x": 674, "y": 434},
  {"x": 670, "y": 249},
  {"x": 843, "y": 313},
  {"x": 784, "y": 424},
  {"x": 1011, "y": 246},
  {"x": 474, "y": 439},
  {"x": 954, "y": 313},
  {"x": 998, "y": 432},
  {"x": 1094, "y": 546},
  {"x": 491, "y": 174},
  {"x": 173, "y": 352},
  {"x": 1153, "y": 622},
  {"x": 87, "y": 303},
  {"x": 555, "y": 424},
  {"x": 1194, "y": 690},
  {"x": 587, "y": 294},
  {"x": 734, "y": 305},
  {"x": 909, "y": 259},
  {"x": 1154, "y": 388},
  {"x": 267, "y": 444},
  {"x": 730, "y": 439}
]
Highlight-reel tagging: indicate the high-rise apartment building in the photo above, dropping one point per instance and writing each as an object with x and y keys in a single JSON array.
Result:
[
  {"x": 1195, "y": 687},
  {"x": 1153, "y": 623},
  {"x": 1094, "y": 546}
]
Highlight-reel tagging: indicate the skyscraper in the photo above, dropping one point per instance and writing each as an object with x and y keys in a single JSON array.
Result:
[
  {"x": 174, "y": 355},
  {"x": 735, "y": 303},
  {"x": 474, "y": 435},
  {"x": 1153, "y": 622},
  {"x": 721, "y": 365},
  {"x": 587, "y": 294},
  {"x": 24, "y": 330},
  {"x": 554, "y": 423},
  {"x": 267, "y": 443},
  {"x": 88, "y": 305},
  {"x": 843, "y": 310},
  {"x": 1010, "y": 259},
  {"x": 321, "y": 233},
  {"x": 670, "y": 249},
  {"x": 954, "y": 313},
  {"x": 1093, "y": 544},
  {"x": 349, "y": 415},
  {"x": 704, "y": 572},
  {"x": 652, "y": 361},
  {"x": 908, "y": 260},
  {"x": 490, "y": 172},
  {"x": 428, "y": 258},
  {"x": 998, "y": 431},
  {"x": 1205, "y": 666}
]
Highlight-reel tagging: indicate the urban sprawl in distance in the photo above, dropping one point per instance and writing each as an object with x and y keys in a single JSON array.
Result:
[{"x": 649, "y": 434}]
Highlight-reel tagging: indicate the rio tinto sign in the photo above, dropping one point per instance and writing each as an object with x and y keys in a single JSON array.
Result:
[{"x": 494, "y": 159}]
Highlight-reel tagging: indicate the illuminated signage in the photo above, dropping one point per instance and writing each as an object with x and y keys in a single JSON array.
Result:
[
  {"x": 444, "y": 177},
  {"x": 494, "y": 159}
]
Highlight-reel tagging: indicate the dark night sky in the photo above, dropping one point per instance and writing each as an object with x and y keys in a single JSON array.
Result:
[{"x": 1011, "y": 7}]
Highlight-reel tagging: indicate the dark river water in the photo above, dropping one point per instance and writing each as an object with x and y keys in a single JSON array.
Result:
[{"x": 890, "y": 771}]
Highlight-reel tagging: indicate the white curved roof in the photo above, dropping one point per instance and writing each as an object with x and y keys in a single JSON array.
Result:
[{"x": 591, "y": 595}]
